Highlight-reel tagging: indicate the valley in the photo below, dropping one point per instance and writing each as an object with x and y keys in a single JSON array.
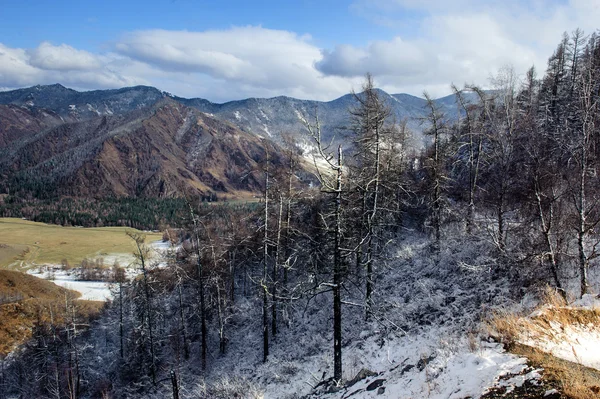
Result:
[
  {"x": 26, "y": 245},
  {"x": 46, "y": 274},
  {"x": 372, "y": 246}
]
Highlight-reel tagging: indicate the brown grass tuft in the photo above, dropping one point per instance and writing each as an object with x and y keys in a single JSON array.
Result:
[{"x": 504, "y": 327}]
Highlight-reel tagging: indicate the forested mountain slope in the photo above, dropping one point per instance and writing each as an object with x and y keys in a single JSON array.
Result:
[
  {"x": 165, "y": 150},
  {"x": 264, "y": 117}
]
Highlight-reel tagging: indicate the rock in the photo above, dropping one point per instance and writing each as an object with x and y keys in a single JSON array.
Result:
[
  {"x": 381, "y": 391},
  {"x": 407, "y": 368},
  {"x": 362, "y": 374},
  {"x": 552, "y": 394},
  {"x": 421, "y": 364},
  {"x": 375, "y": 384}
]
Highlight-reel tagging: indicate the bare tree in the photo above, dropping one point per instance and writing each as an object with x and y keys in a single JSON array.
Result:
[
  {"x": 369, "y": 119},
  {"x": 265, "y": 258},
  {"x": 141, "y": 254},
  {"x": 437, "y": 128},
  {"x": 332, "y": 185},
  {"x": 585, "y": 202},
  {"x": 200, "y": 276},
  {"x": 473, "y": 141}
]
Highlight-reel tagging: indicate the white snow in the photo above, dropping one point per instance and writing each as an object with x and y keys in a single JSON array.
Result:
[
  {"x": 262, "y": 113},
  {"x": 237, "y": 115},
  {"x": 588, "y": 301},
  {"x": 161, "y": 246},
  {"x": 89, "y": 290},
  {"x": 300, "y": 116},
  {"x": 98, "y": 290},
  {"x": 450, "y": 376},
  {"x": 574, "y": 342},
  {"x": 266, "y": 129},
  {"x": 453, "y": 372}
]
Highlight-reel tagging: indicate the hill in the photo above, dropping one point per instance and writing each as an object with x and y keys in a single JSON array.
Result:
[
  {"x": 28, "y": 303},
  {"x": 263, "y": 117},
  {"x": 165, "y": 150}
]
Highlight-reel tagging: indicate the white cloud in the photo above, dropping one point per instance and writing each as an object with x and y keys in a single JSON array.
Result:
[
  {"x": 250, "y": 60},
  {"x": 62, "y": 58},
  {"x": 381, "y": 58},
  {"x": 452, "y": 42},
  {"x": 459, "y": 49},
  {"x": 458, "y": 41},
  {"x": 223, "y": 65},
  {"x": 48, "y": 64}
]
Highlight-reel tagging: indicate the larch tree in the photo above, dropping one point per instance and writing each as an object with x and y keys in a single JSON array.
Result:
[
  {"x": 437, "y": 128},
  {"x": 332, "y": 184},
  {"x": 370, "y": 124}
]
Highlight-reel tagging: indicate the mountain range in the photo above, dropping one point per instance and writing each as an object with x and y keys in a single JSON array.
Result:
[{"x": 140, "y": 141}]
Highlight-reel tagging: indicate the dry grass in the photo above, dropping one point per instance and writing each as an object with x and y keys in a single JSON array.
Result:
[
  {"x": 28, "y": 300},
  {"x": 25, "y": 243},
  {"x": 16, "y": 284},
  {"x": 551, "y": 297},
  {"x": 574, "y": 380},
  {"x": 506, "y": 326}
]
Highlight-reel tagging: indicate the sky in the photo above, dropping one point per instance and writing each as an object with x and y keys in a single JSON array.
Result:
[{"x": 309, "y": 49}]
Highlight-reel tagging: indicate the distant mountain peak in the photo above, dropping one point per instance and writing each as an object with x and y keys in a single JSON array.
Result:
[{"x": 264, "y": 117}]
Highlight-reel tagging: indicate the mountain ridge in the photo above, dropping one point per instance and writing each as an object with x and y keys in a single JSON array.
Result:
[
  {"x": 264, "y": 117},
  {"x": 165, "y": 150}
]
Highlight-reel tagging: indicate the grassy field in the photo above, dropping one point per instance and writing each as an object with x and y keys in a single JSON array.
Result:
[{"x": 25, "y": 244}]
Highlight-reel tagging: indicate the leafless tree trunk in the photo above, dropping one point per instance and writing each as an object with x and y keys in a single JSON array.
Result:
[
  {"x": 436, "y": 129},
  {"x": 275, "y": 277},
  {"x": 265, "y": 291},
  {"x": 589, "y": 115},
  {"x": 142, "y": 252},
  {"x": 474, "y": 143},
  {"x": 334, "y": 188},
  {"x": 200, "y": 276}
]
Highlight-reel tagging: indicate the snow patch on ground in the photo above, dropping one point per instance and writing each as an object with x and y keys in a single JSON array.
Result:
[
  {"x": 587, "y": 302},
  {"x": 266, "y": 129},
  {"x": 574, "y": 342},
  {"x": 100, "y": 290},
  {"x": 89, "y": 290},
  {"x": 407, "y": 369},
  {"x": 263, "y": 115},
  {"x": 403, "y": 367}
]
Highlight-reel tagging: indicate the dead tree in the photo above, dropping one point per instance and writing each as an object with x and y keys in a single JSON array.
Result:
[
  {"x": 436, "y": 129},
  {"x": 142, "y": 254},
  {"x": 265, "y": 257},
  {"x": 332, "y": 185},
  {"x": 474, "y": 143},
  {"x": 369, "y": 120},
  {"x": 200, "y": 277}
]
